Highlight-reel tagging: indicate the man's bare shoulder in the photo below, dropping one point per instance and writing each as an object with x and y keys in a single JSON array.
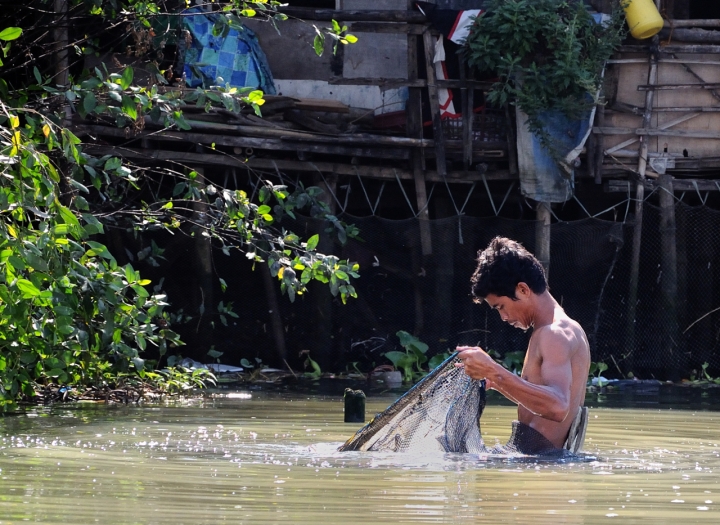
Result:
[{"x": 563, "y": 332}]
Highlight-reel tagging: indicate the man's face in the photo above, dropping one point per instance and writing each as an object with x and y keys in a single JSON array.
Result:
[{"x": 512, "y": 311}]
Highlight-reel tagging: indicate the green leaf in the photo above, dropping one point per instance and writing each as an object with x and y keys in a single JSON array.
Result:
[
  {"x": 127, "y": 77},
  {"x": 313, "y": 242},
  {"x": 395, "y": 357},
  {"x": 89, "y": 102},
  {"x": 319, "y": 45},
  {"x": 129, "y": 107},
  {"x": 10, "y": 33},
  {"x": 142, "y": 292},
  {"x": 27, "y": 288}
]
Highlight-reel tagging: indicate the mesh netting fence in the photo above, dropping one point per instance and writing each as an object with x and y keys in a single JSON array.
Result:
[{"x": 429, "y": 296}]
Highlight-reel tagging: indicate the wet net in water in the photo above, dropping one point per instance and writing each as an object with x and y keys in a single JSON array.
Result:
[{"x": 440, "y": 413}]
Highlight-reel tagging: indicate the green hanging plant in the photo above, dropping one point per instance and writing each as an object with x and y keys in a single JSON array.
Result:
[{"x": 546, "y": 54}]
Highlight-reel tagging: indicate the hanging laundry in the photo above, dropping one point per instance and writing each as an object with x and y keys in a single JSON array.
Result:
[{"x": 235, "y": 58}]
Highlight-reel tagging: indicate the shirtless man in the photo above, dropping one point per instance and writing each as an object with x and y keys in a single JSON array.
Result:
[{"x": 551, "y": 389}]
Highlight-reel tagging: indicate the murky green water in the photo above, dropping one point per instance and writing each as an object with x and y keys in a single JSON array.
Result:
[{"x": 270, "y": 459}]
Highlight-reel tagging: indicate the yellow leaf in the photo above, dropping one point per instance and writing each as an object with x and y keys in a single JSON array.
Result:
[
  {"x": 14, "y": 121},
  {"x": 46, "y": 130},
  {"x": 12, "y": 232},
  {"x": 16, "y": 141},
  {"x": 281, "y": 272}
]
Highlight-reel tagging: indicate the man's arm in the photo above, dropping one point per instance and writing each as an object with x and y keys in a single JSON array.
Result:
[{"x": 549, "y": 398}]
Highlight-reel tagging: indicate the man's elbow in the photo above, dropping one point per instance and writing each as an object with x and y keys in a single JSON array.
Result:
[{"x": 558, "y": 412}]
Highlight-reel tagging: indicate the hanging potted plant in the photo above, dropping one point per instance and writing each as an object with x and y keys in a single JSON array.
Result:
[{"x": 548, "y": 57}]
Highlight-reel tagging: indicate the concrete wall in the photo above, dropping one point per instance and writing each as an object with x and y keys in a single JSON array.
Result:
[{"x": 299, "y": 72}]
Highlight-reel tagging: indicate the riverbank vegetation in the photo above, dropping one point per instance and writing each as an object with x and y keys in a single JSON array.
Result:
[{"x": 71, "y": 315}]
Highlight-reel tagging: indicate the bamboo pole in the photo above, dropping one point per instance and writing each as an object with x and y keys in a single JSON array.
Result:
[
  {"x": 639, "y": 198},
  {"x": 373, "y": 172}
]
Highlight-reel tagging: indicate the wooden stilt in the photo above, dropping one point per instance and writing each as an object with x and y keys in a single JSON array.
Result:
[
  {"x": 599, "y": 145},
  {"x": 671, "y": 351},
  {"x": 203, "y": 257},
  {"x": 322, "y": 300},
  {"x": 414, "y": 130},
  {"x": 278, "y": 331},
  {"x": 439, "y": 136}
]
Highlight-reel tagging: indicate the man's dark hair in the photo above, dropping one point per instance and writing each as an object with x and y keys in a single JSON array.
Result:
[{"x": 501, "y": 266}]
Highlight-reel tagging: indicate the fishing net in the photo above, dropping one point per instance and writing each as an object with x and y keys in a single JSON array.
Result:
[{"x": 440, "y": 413}]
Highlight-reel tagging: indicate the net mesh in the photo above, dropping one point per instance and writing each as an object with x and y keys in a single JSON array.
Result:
[
  {"x": 429, "y": 295},
  {"x": 440, "y": 413}
]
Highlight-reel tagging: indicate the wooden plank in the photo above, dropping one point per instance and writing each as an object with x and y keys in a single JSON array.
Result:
[
  {"x": 658, "y": 132},
  {"x": 665, "y": 61},
  {"x": 622, "y": 107},
  {"x": 622, "y": 186},
  {"x": 321, "y": 104},
  {"x": 667, "y": 125},
  {"x": 305, "y": 136},
  {"x": 305, "y": 120},
  {"x": 372, "y": 172},
  {"x": 274, "y": 144},
  {"x": 666, "y": 87}
]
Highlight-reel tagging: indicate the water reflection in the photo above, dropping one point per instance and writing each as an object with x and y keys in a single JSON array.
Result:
[{"x": 271, "y": 458}]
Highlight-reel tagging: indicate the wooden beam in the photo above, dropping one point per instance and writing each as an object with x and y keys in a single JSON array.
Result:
[
  {"x": 658, "y": 132},
  {"x": 248, "y": 142},
  {"x": 666, "y": 87},
  {"x": 219, "y": 159},
  {"x": 701, "y": 22},
  {"x": 677, "y": 61},
  {"x": 697, "y": 35},
  {"x": 392, "y": 83},
  {"x": 622, "y": 107},
  {"x": 256, "y": 133},
  {"x": 386, "y": 27},
  {"x": 679, "y": 185},
  {"x": 414, "y": 125},
  {"x": 673, "y": 48},
  {"x": 414, "y": 17}
]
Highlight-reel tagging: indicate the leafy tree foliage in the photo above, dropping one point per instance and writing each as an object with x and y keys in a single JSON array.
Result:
[{"x": 69, "y": 312}]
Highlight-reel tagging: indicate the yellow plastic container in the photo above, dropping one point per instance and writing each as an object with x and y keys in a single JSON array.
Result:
[{"x": 643, "y": 18}]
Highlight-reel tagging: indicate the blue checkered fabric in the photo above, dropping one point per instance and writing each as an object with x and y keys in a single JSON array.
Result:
[{"x": 235, "y": 58}]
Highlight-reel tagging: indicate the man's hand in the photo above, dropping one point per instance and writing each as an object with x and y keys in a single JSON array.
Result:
[{"x": 477, "y": 364}]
